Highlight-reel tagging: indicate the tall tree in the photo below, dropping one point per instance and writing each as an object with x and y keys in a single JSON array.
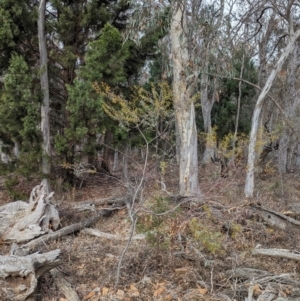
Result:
[
  {"x": 45, "y": 122},
  {"x": 289, "y": 140},
  {"x": 249, "y": 184},
  {"x": 183, "y": 90}
]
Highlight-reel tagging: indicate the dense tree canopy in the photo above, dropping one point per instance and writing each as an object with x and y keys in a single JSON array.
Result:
[{"x": 225, "y": 59}]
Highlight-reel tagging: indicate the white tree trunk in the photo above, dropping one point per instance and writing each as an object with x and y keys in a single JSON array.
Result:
[
  {"x": 116, "y": 161},
  {"x": 183, "y": 104},
  {"x": 16, "y": 150},
  {"x": 45, "y": 124},
  {"x": 288, "y": 142},
  {"x": 206, "y": 105},
  {"x": 249, "y": 185},
  {"x": 239, "y": 100},
  {"x": 3, "y": 157}
]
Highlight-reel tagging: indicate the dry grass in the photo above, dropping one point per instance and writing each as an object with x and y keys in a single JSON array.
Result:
[{"x": 173, "y": 264}]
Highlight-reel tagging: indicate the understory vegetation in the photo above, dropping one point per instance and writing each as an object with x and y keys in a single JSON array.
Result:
[{"x": 181, "y": 119}]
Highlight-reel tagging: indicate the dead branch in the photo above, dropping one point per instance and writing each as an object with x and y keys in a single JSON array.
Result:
[
  {"x": 64, "y": 286},
  {"x": 104, "y": 201},
  {"x": 100, "y": 234},
  {"x": 281, "y": 253},
  {"x": 247, "y": 273},
  {"x": 276, "y": 219},
  {"x": 26, "y": 248}
]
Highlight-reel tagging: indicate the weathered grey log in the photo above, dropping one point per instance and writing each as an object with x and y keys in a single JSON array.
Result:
[
  {"x": 282, "y": 253},
  {"x": 11, "y": 212},
  {"x": 19, "y": 275},
  {"x": 24, "y": 223},
  {"x": 103, "y": 201},
  {"x": 100, "y": 234},
  {"x": 64, "y": 286},
  {"x": 247, "y": 273},
  {"x": 26, "y": 248},
  {"x": 276, "y": 219}
]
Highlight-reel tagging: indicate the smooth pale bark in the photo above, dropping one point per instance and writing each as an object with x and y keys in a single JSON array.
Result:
[
  {"x": 183, "y": 104},
  {"x": 239, "y": 100},
  {"x": 207, "y": 105},
  {"x": 45, "y": 123},
  {"x": 116, "y": 161},
  {"x": 3, "y": 157},
  {"x": 288, "y": 142},
  {"x": 249, "y": 185}
]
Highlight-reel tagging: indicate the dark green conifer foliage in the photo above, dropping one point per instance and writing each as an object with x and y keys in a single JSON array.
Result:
[
  {"x": 18, "y": 30},
  {"x": 71, "y": 28},
  {"x": 224, "y": 111},
  {"x": 19, "y": 113},
  {"x": 104, "y": 62},
  {"x": 72, "y": 25}
]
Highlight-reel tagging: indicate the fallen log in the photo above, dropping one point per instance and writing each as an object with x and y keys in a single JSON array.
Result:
[
  {"x": 100, "y": 234},
  {"x": 64, "y": 286},
  {"x": 19, "y": 275},
  {"x": 282, "y": 253},
  {"x": 99, "y": 202},
  {"x": 28, "y": 247},
  {"x": 277, "y": 219}
]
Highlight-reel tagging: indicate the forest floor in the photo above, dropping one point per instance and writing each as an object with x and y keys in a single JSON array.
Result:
[{"x": 190, "y": 253}]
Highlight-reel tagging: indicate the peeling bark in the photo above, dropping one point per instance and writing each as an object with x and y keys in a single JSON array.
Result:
[{"x": 183, "y": 104}]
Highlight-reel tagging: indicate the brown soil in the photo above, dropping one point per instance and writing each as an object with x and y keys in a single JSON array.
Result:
[{"x": 189, "y": 254}]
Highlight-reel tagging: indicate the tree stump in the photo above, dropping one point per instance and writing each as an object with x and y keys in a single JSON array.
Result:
[
  {"x": 22, "y": 222},
  {"x": 19, "y": 275}
]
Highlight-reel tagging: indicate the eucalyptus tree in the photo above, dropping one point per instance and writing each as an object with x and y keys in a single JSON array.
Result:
[
  {"x": 183, "y": 90},
  {"x": 288, "y": 148},
  {"x": 285, "y": 17}
]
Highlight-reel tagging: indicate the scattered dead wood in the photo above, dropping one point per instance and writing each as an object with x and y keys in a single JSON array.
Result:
[
  {"x": 28, "y": 247},
  {"x": 247, "y": 273},
  {"x": 282, "y": 253},
  {"x": 22, "y": 222},
  {"x": 99, "y": 202},
  {"x": 276, "y": 219},
  {"x": 64, "y": 286},
  {"x": 85, "y": 207},
  {"x": 264, "y": 285},
  {"x": 19, "y": 275},
  {"x": 100, "y": 234}
]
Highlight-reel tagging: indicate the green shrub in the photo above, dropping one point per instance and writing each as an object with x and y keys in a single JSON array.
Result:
[{"x": 211, "y": 240}]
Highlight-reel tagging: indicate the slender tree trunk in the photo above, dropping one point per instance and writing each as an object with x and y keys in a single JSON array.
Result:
[
  {"x": 207, "y": 105},
  {"x": 125, "y": 163},
  {"x": 249, "y": 185},
  {"x": 288, "y": 142},
  {"x": 183, "y": 104},
  {"x": 239, "y": 100},
  {"x": 116, "y": 161},
  {"x": 45, "y": 124},
  {"x": 3, "y": 156}
]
